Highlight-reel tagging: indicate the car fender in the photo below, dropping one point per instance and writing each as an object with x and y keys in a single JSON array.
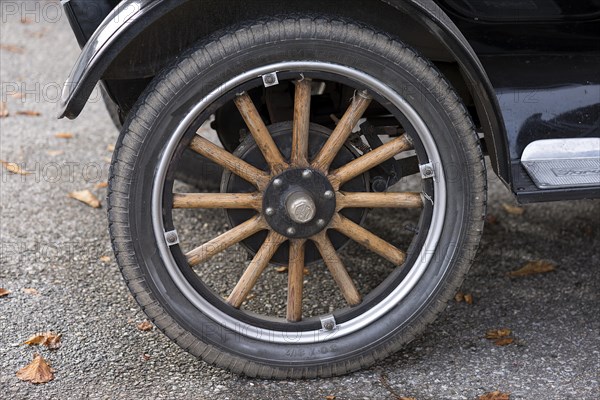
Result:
[{"x": 131, "y": 17}]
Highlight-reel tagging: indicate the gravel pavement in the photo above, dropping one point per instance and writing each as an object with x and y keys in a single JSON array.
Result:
[{"x": 55, "y": 244}]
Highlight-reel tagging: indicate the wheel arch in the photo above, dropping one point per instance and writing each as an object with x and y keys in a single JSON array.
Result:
[{"x": 140, "y": 37}]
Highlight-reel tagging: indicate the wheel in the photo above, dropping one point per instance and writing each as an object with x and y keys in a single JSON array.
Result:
[{"x": 322, "y": 251}]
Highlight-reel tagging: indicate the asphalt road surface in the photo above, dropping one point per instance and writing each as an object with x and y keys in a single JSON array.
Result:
[{"x": 55, "y": 244}]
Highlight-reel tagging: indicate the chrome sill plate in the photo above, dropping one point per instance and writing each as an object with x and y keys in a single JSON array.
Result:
[{"x": 563, "y": 163}]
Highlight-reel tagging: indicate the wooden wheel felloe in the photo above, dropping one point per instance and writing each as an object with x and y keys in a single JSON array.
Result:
[{"x": 300, "y": 207}]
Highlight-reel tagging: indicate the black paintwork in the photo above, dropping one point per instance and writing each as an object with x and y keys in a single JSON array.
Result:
[
  {"x": 152, "y": 32},
  {"x": 542, "y": 58}
]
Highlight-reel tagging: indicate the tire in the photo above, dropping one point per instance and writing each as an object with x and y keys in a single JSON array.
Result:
[{"x": 178, "y": 298}]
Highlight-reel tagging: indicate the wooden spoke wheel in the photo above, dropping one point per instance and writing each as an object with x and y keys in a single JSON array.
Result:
[
  {"x": 297, "y": 197},
  {"x": 355, "y": 173}
]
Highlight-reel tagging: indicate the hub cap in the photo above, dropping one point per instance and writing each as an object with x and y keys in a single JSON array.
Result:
[
  {"x": 297, "y": 205},
  {"x": 300, "y": 207}
]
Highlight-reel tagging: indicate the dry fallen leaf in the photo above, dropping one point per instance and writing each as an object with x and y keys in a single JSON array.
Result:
[
  {"x": 145, "y": 326},
  {"x": 85, "y": 196},
  {"x": 54, "y": 342},
  {"x": 460, "y": 297},
  {"x": 306, "y": 271},
  {"x": 110, "y": 147},
  {"x": 504, "y": 341},
  {"x": 500, "y": 336},
  {"x": 64, "y": 135},
  {"x": 36, "y": 340},
  {"x": 13, "y": 49},
  {"x": 497, "y": 333},
  {"x": 496, "y": 395},
  {"x": 3, "y": 110},
  {"x": 514, "y": 210},
  {"x": 49, "y": 339},
  {"x": 146, "y": 357},
  {"x": 330, "y": 397},
  {"x": 54, "y": 153},
  {"x": 38, "y": 371},
  {"x": 29, "y": 113},
  {"x": 105, "y": 259},
  {"x": 101, "y": 185},
  {"x": 281, "y": 270},
  {"x": 30, "y": 291},
  {"x": 14, "y": 168},
  {"x": 533, "y": 268},
  {"x": 4, "y": 292}
]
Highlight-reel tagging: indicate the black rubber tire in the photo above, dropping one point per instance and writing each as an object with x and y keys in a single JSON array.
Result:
[{"x": 232, "y": 52}]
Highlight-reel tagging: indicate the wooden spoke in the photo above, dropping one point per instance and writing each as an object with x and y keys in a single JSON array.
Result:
[
  {"x": 379, "y": 200},
  {"x": 218, "y": 200},
  {"x": 260, "y": 132},
  {"x": 301, "y": 123},
  {"x": 226, "y": 240},
  {"x": 227, "y": 160},
  {"x": 369, "y": 160},
  {"x": 342, "y": 131},
  {"x": 336, "y": 268},
  {"x": 368, "y": 240},
  {"x": 256, "y": 267},
  {"x": 295, "y": 280}
]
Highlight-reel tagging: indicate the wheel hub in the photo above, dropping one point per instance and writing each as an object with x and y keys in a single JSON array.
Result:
[
  {"x": 299, "y": 203},
  {"x": 294, "y": 180}
]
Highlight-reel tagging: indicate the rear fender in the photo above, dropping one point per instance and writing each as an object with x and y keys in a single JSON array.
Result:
[{"x": 132, "y": 17}]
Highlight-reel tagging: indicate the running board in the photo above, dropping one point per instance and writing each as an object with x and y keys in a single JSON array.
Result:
[{"x": 563, "y": 163}]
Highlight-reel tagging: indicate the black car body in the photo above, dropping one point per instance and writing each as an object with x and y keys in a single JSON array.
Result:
[{"x": 529, "y": 70}]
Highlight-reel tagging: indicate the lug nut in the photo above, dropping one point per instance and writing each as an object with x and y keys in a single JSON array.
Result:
[
  {"x": 328, "y": 194},
  {"x": 270, "y": 211},
  {"x": 291, "y": 231},
  {"x": 307, "y": 174},
  {"x": 277, "y": 182}
]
